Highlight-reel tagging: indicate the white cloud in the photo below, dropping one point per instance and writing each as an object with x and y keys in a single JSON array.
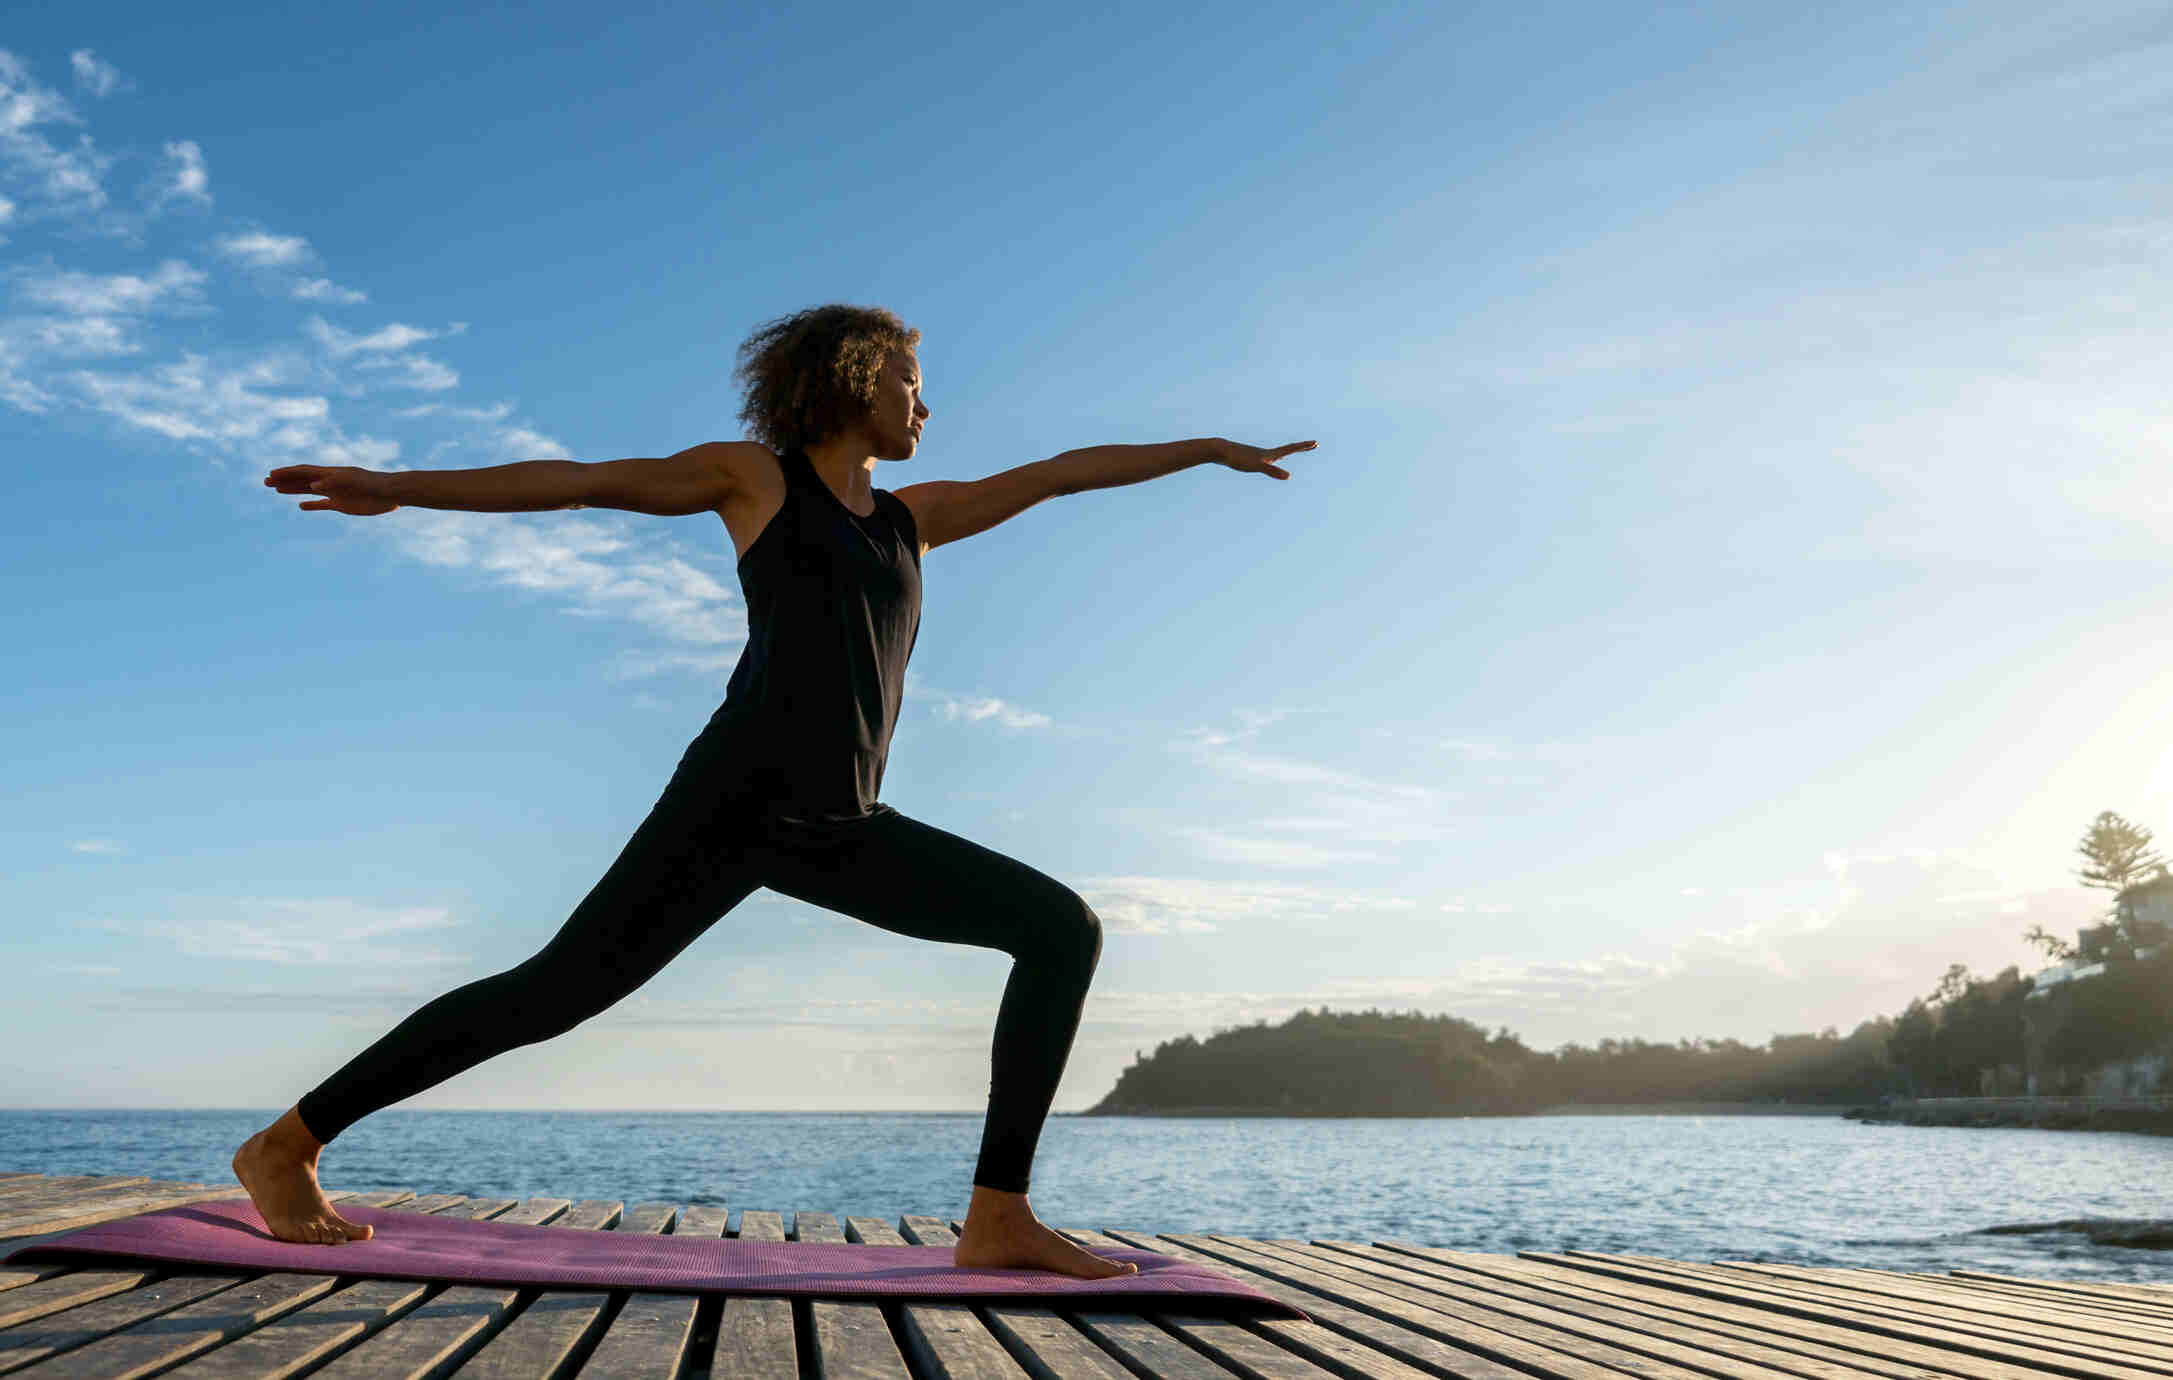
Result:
[
  {"x": 95, "y": 294},
  {"x": 1184, "y": 905},
  {"x": 284, "y": 930},
  {"x": 101, "y": 847},
  {"x": 524, "y": 444},
  {"x": 95, "y": 75},
  {"x": 1888, "y": 927},
  {"x": 386, "y": 338},
  {"x": 265, "y": 251},
  {"x": 570, "y": 556},
  {"x": 60, "y": 969},
  {"x": 233, "y": 407},
  {"x": 413, "y": 371},
  {"x": 1253, "y": 850},
  {"x": 186, "y": 177},
  {"x": 496, "y": 412},
  {"x": 325, "y": 290},
  {"x": 983, "y": 708},
  {"x": 66, "y": 337},
  {"x": 61, "y": 180},
  {"x": 384, "y": 352}
]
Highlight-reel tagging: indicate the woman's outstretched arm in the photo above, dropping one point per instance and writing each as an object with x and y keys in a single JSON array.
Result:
[{"x": 692, "y": 481}]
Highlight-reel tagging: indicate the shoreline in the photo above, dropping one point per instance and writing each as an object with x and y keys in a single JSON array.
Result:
[
  {"x": 2142, "y": 1115},
  {"x": 1835, "y": 1109}
]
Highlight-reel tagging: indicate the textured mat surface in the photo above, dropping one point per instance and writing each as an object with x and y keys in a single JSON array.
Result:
[{"x": 414, "y": 1245}]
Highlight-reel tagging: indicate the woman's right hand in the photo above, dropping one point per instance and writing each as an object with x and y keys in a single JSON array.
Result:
[{"x": 340, "y": 488}]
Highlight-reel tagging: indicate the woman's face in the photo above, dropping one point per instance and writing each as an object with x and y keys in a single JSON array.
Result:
[{"x": 899, "y": 411}]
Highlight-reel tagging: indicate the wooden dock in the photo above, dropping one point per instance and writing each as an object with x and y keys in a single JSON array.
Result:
[{"x": 1383, "y": 1312}]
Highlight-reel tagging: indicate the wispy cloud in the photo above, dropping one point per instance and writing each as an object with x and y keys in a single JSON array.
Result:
[
  {"x": 325, "y": 290},
  {"x": 187, "y": 179},
  {"x": 98, "y": 847},
  {"x": 88, "y": 340},
  {"x": 596, "y": 564},
  {"x": 1185, "y": 905},
  {"x": 173, "y": 283},
  {"x": 262, "y": 250},
  {"x": 58, "y": 180},
  {"x": 382, "y": 340},
  {"x": 284, "y": 930},
  {"x": 95, "y": 75},
  {"x": 986, "y": 709},
  {"x": 385, "y": 351}
]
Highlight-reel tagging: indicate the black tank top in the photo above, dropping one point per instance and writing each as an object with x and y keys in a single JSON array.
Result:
[{"x": 833, "y": 611}]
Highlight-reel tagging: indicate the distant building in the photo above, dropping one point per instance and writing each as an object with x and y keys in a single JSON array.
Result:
[
  {"x": 2141, "y": 924},
  {"x": 2145, "y": 913}
]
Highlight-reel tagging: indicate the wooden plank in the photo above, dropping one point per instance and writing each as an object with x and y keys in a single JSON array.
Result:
[
  {"x": 292, "y": 1343},
  {"x": 452, "y": 1324},
  {"x": 71, "y": 1289},
  {"x": 65, "y": 1210},
  {"x": 1684, "y": 1350},
  {"x": 149, "y": 1345},
  {"x": 1838, "y": 1343},
  {"x": 850, "y": 1341},
  {"x": 590, "y": 1214},
  {"x": 15, "y": 1188},
  {"x": 1863, "y": 1309},
  {"x": 433, "y": 1202},
  {"x": 1591, "y": 1323},
  {"x": 1042, "y": 1343},
  {"x": 755, "y": 1335},
  {"x": 1950, "y": 1338},
  {"x": 173, "y": 1337},
  {"x": 1224, "y": 1345},
  {"x": 1507, "y": 1340},
  {"x": 2103, "y": 1305},
  {"x": 1946, "y": 1297},
  {"x": 55, "y": 1333},
  {"x": 2127, "y": 1345},
  {"x": 302, "y": 1337},
  {"x": 1733, "y": 1352},
  {"x": 1382, "y": 1333},
  {"x": 947, "y": 1341},
  {"x": 650, "y": 1333},
  {"x": 2148, "y": 1295},
  {"x": 543, "y": 1337},
  {"x": 1320, "y": 1341}
]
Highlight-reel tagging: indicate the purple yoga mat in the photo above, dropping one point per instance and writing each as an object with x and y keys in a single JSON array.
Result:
[{"x": 417, "y": 1245}]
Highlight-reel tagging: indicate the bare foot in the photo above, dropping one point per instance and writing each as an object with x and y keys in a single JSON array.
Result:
[
  {"x": 278, "y": 1165},
  {"x": 1002, "y": 1231}
]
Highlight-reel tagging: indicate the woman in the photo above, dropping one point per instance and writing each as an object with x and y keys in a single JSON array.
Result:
[{"x": 779, "y": 790}]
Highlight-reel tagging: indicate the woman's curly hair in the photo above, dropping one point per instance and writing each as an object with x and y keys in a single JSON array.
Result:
[{"x": 810, "y": 375}]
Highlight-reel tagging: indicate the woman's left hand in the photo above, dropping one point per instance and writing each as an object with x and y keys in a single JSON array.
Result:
[{"x": 1254, "y": 460}]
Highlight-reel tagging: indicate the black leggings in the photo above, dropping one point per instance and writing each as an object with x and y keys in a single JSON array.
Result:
[{"x": 699, "y": 853}]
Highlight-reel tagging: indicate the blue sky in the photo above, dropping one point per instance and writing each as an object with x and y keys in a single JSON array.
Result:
[{"x": 1729, "y": 579}]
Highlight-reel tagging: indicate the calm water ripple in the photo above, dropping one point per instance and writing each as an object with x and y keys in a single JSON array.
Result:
[{"x": 1807, "y": 1190}]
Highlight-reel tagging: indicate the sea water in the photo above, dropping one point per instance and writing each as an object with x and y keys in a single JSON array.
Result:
[{"x": 1810, "y": 1190}]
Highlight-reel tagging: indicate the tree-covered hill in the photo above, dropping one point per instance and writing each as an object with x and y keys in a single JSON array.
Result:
[{"x": 1323, "y": 1063}]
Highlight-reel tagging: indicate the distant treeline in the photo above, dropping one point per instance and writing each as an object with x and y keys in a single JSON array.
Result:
[
  {"x": 1371, "y": 1063},
  {"x": 1958, "y": 1041},
  {"x": 1968, "y": 1036}
]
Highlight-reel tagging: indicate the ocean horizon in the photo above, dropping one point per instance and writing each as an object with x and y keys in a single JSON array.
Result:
[{"x": 1801, "y": 1189}]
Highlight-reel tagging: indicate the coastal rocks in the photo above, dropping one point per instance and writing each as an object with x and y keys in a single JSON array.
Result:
[
  {"x": 2150, "y": 1116},
  {"x": 2144, "y": 1233}
]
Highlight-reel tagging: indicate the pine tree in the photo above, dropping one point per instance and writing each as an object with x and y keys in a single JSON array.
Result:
[{"x": 2119, "y": 854}]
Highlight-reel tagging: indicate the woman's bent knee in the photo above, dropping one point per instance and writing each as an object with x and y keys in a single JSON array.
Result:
[{"x": 1082, "y": 934}]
